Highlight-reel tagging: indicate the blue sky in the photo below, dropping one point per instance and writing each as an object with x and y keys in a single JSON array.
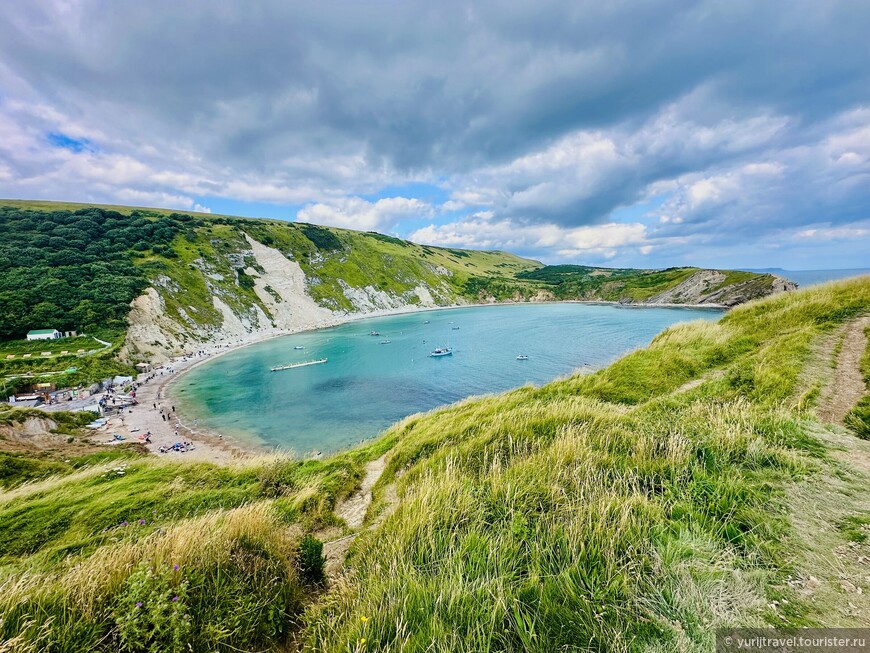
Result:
[{"x": 649, "y": 133}]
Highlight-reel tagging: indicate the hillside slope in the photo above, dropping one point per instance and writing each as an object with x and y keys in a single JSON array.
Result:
[
  {"x": 671, "y": 286},
  {"x": 170, "y": 281},
  {"x": 686, "y": 487}
]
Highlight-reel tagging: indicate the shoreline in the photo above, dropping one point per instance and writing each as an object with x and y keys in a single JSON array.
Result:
[{"x": 218, "y": 447}]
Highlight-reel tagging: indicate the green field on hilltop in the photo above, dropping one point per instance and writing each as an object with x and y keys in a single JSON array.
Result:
[{"x": 636, "y": 508}]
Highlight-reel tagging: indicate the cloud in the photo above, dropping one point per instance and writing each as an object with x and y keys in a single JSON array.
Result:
[
  {"x": 357, "y": 213},
  {"x": 706, "y": 123},
  {"x": 842, "y": 233},
  {"x": 481, "y": 231}
]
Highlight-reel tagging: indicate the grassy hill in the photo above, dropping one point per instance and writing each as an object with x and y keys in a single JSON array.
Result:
[
  {"x": 80, "y": 266},
  {"x": 687, "y": 486}
]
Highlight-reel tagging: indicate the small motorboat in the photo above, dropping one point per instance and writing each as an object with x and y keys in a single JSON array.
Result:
[
  {"x": 426, "y": 322},
  {"x": 455, "y": 328},
  {"x": 441, "y": 351},
  {"x": 298, "y": 347},
  {"x": 374, "y": 333},
  {"x": 522, "y": 357},
  {"x": 385, "y": 342},
  {"x": 291, "y": 366}
]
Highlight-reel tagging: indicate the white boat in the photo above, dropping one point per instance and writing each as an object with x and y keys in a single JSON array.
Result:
[
  {"x": 441, "y": 351},
  {"x": 298, "y": 347},
  {"x": 522, "y": 357},
  {"x": 291, "y": 366},
  {"x": 385, "y": 342},
  {"x": 374, "y": 333}
]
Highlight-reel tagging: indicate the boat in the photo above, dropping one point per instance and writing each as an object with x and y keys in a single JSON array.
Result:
[
  {"x": 291, "y": 366},
  {"x": 522, "y": 357},
  {"x": 441, "y": 351},
  {"x": 298, "y": 347},
  {"x": 374, "y": 333},
  {"x": 426, "y": 322},
  {"x": 455, "y": 328},
  {"x": 385, "y": 342}
]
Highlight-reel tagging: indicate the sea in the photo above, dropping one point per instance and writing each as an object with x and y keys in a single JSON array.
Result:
[
  {"x": 379, "y": 370},
  {"x": 807, "y": 278}
]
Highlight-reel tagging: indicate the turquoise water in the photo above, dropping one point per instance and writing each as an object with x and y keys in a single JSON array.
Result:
[{"x": 365, "y": 386}]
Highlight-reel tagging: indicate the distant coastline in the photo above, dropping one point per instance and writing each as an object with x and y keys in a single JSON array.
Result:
[{"x": 807, "y": 278}]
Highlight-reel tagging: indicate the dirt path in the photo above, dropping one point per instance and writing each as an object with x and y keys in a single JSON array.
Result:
[
  {"x": 353, "y": 511},
  {"x": 847, "y": 384}
]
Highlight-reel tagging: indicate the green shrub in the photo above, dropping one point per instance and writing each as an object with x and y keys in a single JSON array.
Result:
[
  {"x": 311, "y": 561},
  {"x": 152, "y": 613}
]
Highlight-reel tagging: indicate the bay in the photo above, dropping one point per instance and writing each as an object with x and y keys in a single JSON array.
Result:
[{"x": 367, "y": 384}]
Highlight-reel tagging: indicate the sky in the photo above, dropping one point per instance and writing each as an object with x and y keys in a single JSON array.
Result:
[{"x": 646, "y": 133}]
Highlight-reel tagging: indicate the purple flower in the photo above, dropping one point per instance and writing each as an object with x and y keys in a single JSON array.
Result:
[
  {"x": 175, "y": 567},
  {"x": 138, "y": 604},
  {"x": 174, "y": 599},
  {"x": 123, "y": 523},
  {"x": 141, "y": 522}
]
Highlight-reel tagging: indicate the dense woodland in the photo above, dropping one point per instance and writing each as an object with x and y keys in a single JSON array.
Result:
[{"x": 74, "y": 269}]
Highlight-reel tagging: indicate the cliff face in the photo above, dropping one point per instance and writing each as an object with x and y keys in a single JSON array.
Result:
[
  {"x": 713, "y": 287},
  {"x": 268, "y": 294}
]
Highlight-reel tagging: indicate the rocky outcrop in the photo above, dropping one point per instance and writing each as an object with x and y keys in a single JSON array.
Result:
[
  {"x": 709, "y": 287},
  {"x": 151, "y": 333}
]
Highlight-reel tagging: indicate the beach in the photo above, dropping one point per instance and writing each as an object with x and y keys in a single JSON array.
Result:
[{"x": 154, "y": 397}]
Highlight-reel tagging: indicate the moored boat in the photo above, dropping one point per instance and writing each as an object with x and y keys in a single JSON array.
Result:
[
  {"x": 441, "y": 351},
  {"x": 291, "y": 366}
]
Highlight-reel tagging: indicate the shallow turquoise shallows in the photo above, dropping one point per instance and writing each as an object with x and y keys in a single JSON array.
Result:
[{"x": 368, "y": 384}]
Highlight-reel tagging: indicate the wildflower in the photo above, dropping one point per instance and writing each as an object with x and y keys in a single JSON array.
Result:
[
  {"x": 362, "y": 641},
  {"x": 175, "y": 567},
  {"x": 124, "y": 523},
  {"x": 138, "y": 604},
  {"x": 174, "y": 599},
  {"x": 364, "y": 619},
  {"x": 141, "y": 522}
]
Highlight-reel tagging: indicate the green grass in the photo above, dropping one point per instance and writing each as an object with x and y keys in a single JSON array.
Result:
[
  {"x": 617, "y": 511},
  {"x": 621, "y": 284},
  {"x": 602, "y": 511},
  {"x": 858, "y": 419}
]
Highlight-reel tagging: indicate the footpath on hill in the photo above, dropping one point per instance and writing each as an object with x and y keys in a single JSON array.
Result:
[{"x": 847, "y": 385}]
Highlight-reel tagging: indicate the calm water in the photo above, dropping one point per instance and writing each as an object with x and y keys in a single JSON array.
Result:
[
  {"x": 365, "y": 386},
  {"x": 807, "y": 278}
]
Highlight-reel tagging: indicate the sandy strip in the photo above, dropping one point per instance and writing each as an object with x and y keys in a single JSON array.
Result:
[{"x": 153, "y": 406}]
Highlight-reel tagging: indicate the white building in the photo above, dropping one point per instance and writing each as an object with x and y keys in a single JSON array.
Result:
[{"x": 44, "y": 334}]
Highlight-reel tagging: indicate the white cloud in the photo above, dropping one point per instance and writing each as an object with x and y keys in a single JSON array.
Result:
[
  {"x": 357, "y": 213},
  {"x": 833, "y": 233},
  {"x": 481, "y": 231}
]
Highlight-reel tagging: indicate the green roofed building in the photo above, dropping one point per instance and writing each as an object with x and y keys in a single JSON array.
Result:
[{"x": 44, "y": 334}]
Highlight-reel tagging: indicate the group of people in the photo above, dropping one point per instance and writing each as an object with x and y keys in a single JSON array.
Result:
[{"x": 180, "y": 447}]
